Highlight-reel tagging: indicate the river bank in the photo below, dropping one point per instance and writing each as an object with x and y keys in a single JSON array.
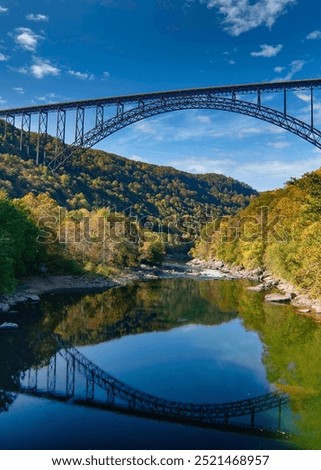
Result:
[
  {"x": 277, "y": 290},
  {"x": 31, "y": 288}
]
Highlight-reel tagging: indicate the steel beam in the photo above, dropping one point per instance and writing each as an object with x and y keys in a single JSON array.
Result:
[
  {"x": 99, "y": 121},
  {"x": 80, "y": 125},
  {"x": 110, "y": 395},
  {"x": 120, "y": 109},
  {"x": 60, "y": 129},
  {"x": 90, "y": 388},
  {"x": 42, "y": 137},
  {"x": 9, "y": 120},
  {"x": 123, "y": 119},
  {"x": 269, "y": 87},
  {"x": 70, "y": 377},
  {"x": 33, "y": 379},
  {"x": 312, "y": 108},
  {"x": 259, "y": 98},
  {"x": 25, "y": 131},
  {"x": 145, "y": 105}
]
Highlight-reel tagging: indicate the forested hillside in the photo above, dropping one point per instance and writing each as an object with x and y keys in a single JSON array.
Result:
[
  {"x": 100, "y": 179},
  {"x": 279, "y": 230},
  {"x": 176, "y": 202},
  {"x": 102, "y": 212}
]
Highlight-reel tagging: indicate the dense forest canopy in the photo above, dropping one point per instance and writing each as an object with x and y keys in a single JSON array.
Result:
[{"x": 279, "y": 231}]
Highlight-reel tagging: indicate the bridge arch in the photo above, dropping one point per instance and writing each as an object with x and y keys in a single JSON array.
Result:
[
  {"x": 149, "y": 109},
  {"x": 60, "y": 380},
  {"x": 128, "y": 109}
]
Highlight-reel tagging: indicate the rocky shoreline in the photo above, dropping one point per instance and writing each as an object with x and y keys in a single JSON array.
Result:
[
  {"x": 31, "y": 289},
  {"x": 277, "y": 290}
]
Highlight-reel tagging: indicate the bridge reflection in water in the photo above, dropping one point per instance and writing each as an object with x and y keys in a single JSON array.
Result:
[{"x": 70, "y": 377}]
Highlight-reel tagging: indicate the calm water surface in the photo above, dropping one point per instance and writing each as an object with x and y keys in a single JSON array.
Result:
[{"x": 198, "y": 341}]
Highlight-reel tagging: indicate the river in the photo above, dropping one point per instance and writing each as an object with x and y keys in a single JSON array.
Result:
[{"x": 181, "y": 340}]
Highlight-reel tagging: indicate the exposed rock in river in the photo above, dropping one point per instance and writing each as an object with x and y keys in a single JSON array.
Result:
[
  {"x": 9, "y": 326},
  {"x": 7, "y": 301}
]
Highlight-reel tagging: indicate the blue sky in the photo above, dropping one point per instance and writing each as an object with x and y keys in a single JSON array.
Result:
[{"x": 76, "y": 49}]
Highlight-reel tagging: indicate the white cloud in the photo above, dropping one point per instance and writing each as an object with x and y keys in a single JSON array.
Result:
[
  {"x": 37, "y": 17},
  {"x": 278, "y": 69},
  {"x": 41, "y": 68},
  {"x": 263, "y": 174},
  {"x": 81, "y": 75},
  {"x": 279, "y": 145},
  {"x": 241, "y": 16},
  {"x": 2, "y": 101},
  {"x": 18, "y": 89},
  {"x": 267, "y": 51},
  {"x": 149, "y": 128},
  {"x": 294, "y": 67},
  {"x": 3, "y": 9},
  {"x": 3, "y": 57},
  {"x": 22, "y": 70},
  {"x": 27, "y": 39},
  {"x": 303, "y": 97},
  {"x": 106, "y": 74},
  {"x": 288, "y": 168},
  {"x": 196, "y": 125},
  {"x": 314, "y": 35},
  {"x": 202, "y": 118}
]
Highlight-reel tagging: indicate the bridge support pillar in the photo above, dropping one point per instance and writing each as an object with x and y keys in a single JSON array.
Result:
[
  {"x": 110, "y": 395},
  {"x": 32, "y": 379},
  {"x": 99, "y": 116},
  {"x": 9, "y": 121},
  {"x": 80, "y": 125},
  {"x": 42, "y": 137},
  {"x": 25, "y": 131},
  {"x": 70, "y": 377},
  {"x": 312, "y": 109},
  {"x": 259, "y": 98},
  {"x": 120, "y": 109},
  {"x": 60, "y": 130},
  {"x": 90, "y": 388}
]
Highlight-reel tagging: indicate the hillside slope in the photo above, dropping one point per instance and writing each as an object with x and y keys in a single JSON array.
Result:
[
  {"x": 279, "y": 231},
  {"x": 100, "y": 179}
]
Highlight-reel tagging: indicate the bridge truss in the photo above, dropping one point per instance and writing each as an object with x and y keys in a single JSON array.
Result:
[
  {"x": 108, "y": 115},
  {"x": 60, "y": 380}
]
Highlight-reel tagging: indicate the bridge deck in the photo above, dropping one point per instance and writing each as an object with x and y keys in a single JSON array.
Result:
[{"x": 293, "y": 85}]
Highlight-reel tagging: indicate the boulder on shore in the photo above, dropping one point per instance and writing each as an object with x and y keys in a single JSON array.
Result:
[
  {"x": 4, "y": 307},
  {"x": 257, "y": 288},
  {"x": 304, "y": 310},
  {"x": 278, "y": 298}
]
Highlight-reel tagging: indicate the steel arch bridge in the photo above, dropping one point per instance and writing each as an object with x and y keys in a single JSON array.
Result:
[
  {"x": 70, "y": 377},
  {"x": 129, "y": 109}
]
